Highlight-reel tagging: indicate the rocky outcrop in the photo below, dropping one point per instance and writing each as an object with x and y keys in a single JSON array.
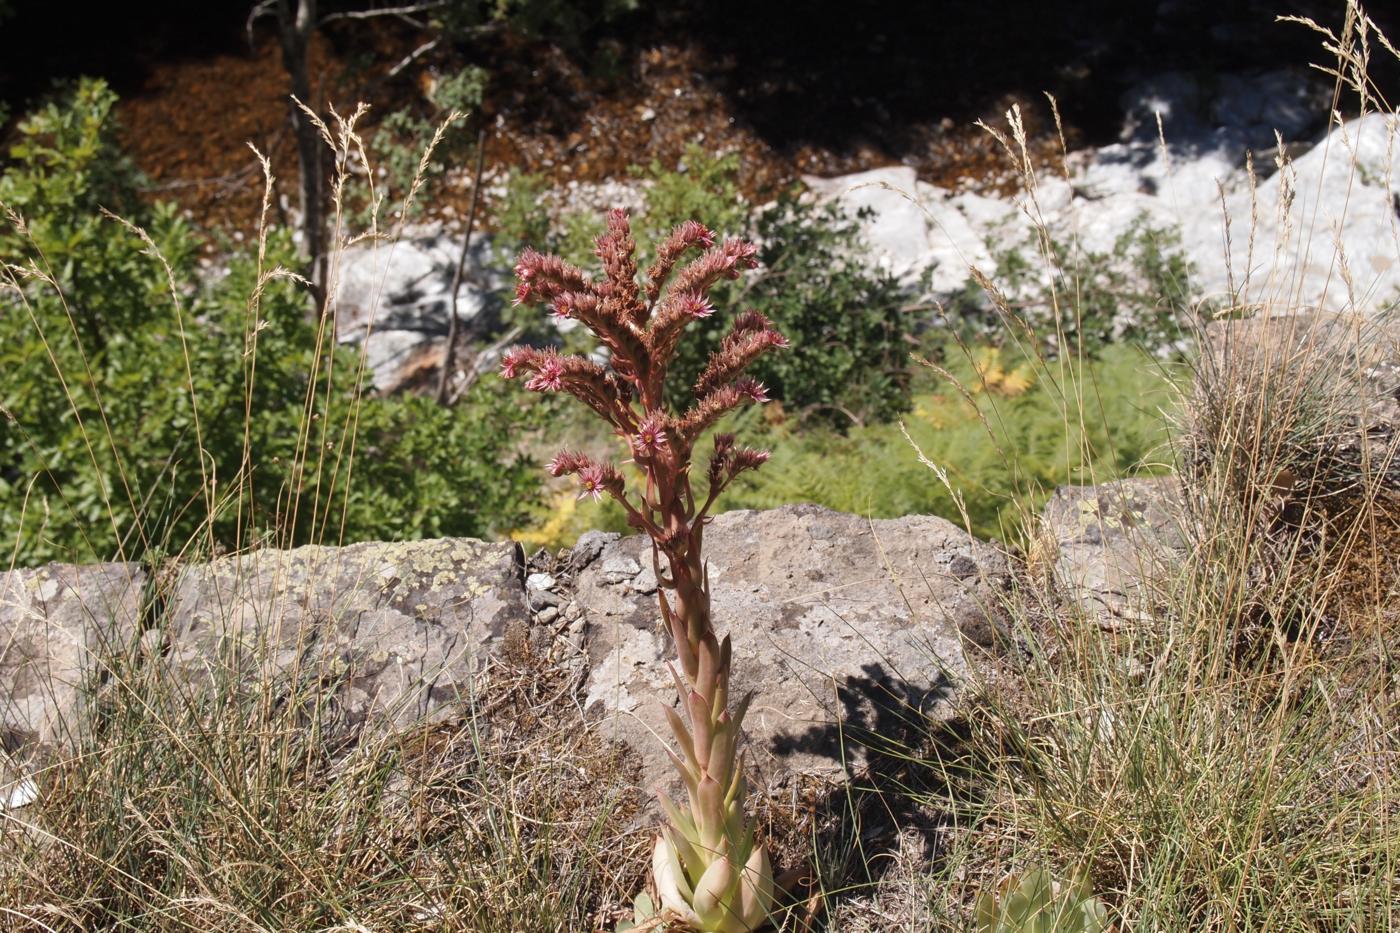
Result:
[
  {"x": 1319, "y": 231},
  {"x": 1108, "y": 543},
  {"x": 847, "y": 631},
  {"x": 393, "y": 301},
  {"x": 395, "y": 632},
  {"x": 57, "y": 624}
]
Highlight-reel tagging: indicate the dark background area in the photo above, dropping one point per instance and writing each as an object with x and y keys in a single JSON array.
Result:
[{"x": 824, "y": 87}]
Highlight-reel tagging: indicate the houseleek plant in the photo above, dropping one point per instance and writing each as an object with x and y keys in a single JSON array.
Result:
[{"x": 709, "y": 870}]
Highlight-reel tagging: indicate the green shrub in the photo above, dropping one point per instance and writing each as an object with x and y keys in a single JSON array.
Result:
[
  {"x": 1005, "y": 444},
  {"x": 1138, "y": 292},
  {"x": 849, "y": 335},
  {"x": 150, "y": 410}
]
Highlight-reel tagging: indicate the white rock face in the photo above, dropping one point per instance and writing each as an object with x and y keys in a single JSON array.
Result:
[
  {"x": 394, "y": 299},
  {"x": 1323, "y": 231},
  {"x": 1327, "y": 234},
  {"x": 916, "y": 227}
]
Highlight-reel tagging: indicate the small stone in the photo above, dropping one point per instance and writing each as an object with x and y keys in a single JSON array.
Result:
[
  {"x": 619, "y": 567},
  {"x": 154, "y": 644},
  {"x": 588, "y": 547},
  {"x": 540, "y": 598},
  {"x": 547, "y": 615},
  {"x": 539, "y": 581},
  {"x": 645, "y": 582}
]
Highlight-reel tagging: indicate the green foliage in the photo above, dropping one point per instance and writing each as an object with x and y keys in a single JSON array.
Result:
[
  {"x": 397, "y": 146},
  {"x": 702, "y": 187},
  {"x": 849, "y": 336},
  {"x": 1034, "y": 902},
  {"x": 1004, "y": 444},
  {"x": 150, "y": 410},
  {"x": 521, "y": 218},
  {"x": 1139, "y": 292},
  {"x": 67, "y": 171}
]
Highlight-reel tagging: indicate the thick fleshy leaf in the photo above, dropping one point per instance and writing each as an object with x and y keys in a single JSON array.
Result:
[
  {"x": 756, "y": 888},
  {"x": 714, "y": 893},
  {"x": 671, "y": 886}
]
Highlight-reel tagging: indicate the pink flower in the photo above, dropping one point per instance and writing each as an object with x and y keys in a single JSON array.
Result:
[
  {"x": 739, "y": 255},
  {"x": 549, "y": 377},
  {"x": 696, "y": 306},
  {"x": 750, "y": 320},
  {"x": 749, "y": 459},
  {"x": 525, "y": 268},
  {"x": 591, "y": 478},
  {"x": 650, "y": 436},
  {"x": 698, "y": 233},
  {"x": 511, "y": 361},
  {"x": 565, "y": 462},
  {"x": 754, "y": 390}
]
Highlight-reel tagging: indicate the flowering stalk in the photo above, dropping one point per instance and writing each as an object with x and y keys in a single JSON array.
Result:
[{"x": 709, "y": 870}]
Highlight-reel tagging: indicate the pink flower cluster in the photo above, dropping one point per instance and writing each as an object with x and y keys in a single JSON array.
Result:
[{"x": 640, "y": 327}]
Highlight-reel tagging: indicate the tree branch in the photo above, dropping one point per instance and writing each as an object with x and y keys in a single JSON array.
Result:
[
  {"x": 413, "y": 56},
  {"x": 384, "y": 11}
]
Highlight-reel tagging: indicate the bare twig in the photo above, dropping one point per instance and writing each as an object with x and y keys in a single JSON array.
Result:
[
  {"x": 412, "y": 57},
  {"x": 450, "y": 353},
  {"x": 473, "y": 371},
  {"x": 384, "y": 11}
]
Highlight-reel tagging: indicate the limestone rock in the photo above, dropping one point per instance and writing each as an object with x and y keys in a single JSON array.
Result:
[
  {"x": 914, "y": 228},
  {"x": 396, "y": 631},
  {"x": 393, "y": 300},
  {"x": 57, "y": 622},
  {"x": 842, "y": 627},
  {"x": 1108, "y": 539},
  {"x": 1320, "y": 232}
]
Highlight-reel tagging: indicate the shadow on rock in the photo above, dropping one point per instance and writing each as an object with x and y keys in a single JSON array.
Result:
[{"x": 907, "y": 791}]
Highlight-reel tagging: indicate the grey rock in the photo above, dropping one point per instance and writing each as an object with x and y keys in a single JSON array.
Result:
[
  {"x": 396, "y": 631},
  {"x": 644, "y": 582},
  {"x": 841, "y": 625},
  {"x": 58, "y": 625},
  {"x": 1110, "y": 542},
  {"x": 590, "y": 544},
  {"x": 540, "y": 599},
  {"x": 617, "y": 568},
  {"x": 393, "y": 300}
]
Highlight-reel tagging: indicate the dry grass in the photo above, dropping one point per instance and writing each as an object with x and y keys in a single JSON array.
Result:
[{"x": 217, "y": 809}]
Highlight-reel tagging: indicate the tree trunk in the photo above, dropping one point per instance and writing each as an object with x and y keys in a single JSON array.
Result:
[{"x": 296, "y": 22}]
